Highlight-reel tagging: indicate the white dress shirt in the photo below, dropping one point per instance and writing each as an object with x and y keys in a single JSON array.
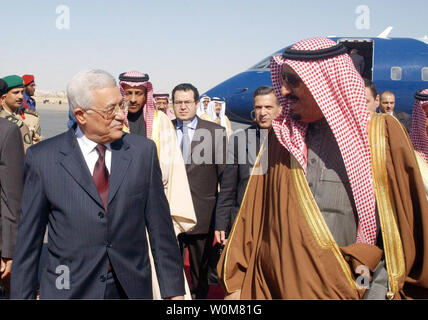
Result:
[
  {"x": 89, "y": 152},
  {"x": 191, "y": 125}
]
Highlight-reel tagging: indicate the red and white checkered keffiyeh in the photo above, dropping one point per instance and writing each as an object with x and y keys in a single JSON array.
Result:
[
  {"x": 149, "y": 107},
  {"x": 418, "y": 134},
  {"x": 339, "y": 91},
  {"x": 165, "y": 95}
]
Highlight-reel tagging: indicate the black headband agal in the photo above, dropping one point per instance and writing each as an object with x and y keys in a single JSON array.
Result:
[
  {"x": 160, "y": 95},
  {"x": 421, "y": 96},
  {"x": 314, "y": 54},
  {"x": 122, "y": 77}
]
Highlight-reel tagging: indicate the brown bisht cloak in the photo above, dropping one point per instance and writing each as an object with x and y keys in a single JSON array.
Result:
[{"x": 281, "y": 248}]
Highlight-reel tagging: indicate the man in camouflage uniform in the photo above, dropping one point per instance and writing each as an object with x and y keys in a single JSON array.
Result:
[
  {"x": 32, "y": 120},
  {"x": 11, "y": 101}
]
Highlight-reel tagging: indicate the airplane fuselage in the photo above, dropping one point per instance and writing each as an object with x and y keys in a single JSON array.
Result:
[{"x": 399, "y": 65}]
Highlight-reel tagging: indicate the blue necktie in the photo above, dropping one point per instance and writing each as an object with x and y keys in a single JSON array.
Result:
[{"x": 185, "y": 143}]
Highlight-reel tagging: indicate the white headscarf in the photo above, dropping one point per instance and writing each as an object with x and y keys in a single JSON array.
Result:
[
  {"x": 201, "y": 110},
  {"x": 211, "y": 110}
]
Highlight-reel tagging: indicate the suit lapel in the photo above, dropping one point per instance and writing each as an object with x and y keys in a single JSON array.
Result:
[
  {"x": 120, "y": 161},
  {"x": 74, "y": 163},
  {"x": 193, "y": 144},
  {"x": 254, "y": 141}
]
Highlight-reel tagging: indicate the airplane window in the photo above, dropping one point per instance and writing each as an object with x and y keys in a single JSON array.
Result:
[
  {"x": 396, "y": 73},
  {"x": 425, "y": 74},
  {"x": 262, "y": 64}
]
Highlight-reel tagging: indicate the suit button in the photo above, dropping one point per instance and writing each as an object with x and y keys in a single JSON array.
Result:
[
  {"x": 101, "y": 215},
  {"x": 109, "y": 245},
  {"x": 103, "y": 278}
]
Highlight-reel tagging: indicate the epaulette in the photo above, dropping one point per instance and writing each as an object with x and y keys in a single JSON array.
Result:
[
  {"x": 14, "y": 120},
  {"x": 34, "y": 113}
]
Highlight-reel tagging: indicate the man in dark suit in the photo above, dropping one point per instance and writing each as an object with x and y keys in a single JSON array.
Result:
[
  {"x": 242, "y": 151},
  {"x": 387, "y": 105},
  {"x": 203, "y": 144},
  {"x": 97, "y": 190},
  {"x": 358, "y": 61},
  {"x": 11, "y": 168}
]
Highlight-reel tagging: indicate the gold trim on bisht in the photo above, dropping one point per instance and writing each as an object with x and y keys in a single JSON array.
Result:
[
  {"x": 256, "y": 166},
  {"x": 393, "y": 249},
  {"x": 315, "y": 220}
]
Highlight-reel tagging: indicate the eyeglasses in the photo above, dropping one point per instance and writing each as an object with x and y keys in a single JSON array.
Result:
[
  {"x": 112, "y": 112},
  {"x": 290, "y": 79},
  {"x": 186, "y": 103}
]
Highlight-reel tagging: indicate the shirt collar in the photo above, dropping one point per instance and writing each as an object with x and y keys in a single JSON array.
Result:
[
  {"x": 192, "y": 124},
  {"x": 15, "y": 113},
  {"x": 86, "y": 144}
]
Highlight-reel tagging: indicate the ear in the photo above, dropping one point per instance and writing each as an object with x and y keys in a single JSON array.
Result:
[
  {"x": 80, "y": 116},
  {"x": 2, "y": 100}
]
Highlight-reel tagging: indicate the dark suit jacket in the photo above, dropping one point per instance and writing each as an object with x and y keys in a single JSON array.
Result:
[
  {"x": 240, "y": 161},
  {"x": 11, "y": 171},
  {"x": 83, "y": 237},
  {"x": 204, "y": 177},
  {"x": 404, "y": 118},
  {"x": 358, "y": 62}
]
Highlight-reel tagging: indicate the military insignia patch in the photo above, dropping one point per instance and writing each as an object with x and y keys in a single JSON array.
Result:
[
  {"x": 27, "y": 138},
  {"x": 16, "y": 121}
]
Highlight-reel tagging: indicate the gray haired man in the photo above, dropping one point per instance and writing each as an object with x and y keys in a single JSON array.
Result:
[{"x": 97, "y": 190}]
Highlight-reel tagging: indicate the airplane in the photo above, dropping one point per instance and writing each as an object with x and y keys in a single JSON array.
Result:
[{"x": 399, "y": 65}]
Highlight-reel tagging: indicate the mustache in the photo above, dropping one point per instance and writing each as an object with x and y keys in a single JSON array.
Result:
[
  {"x": 116, "y": 123},
  {"x": 291, "y": 97}
]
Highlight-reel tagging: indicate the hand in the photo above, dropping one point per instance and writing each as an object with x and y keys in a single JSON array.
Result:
[
  {"x": 233, "y": 296},
  {"x": 6, "y": 267},
  {"x": 220, "y": 236},
  {"x": 175, "y": 298}
]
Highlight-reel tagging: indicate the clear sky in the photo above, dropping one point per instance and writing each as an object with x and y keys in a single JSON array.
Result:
[{"x": 199, "y": 41}]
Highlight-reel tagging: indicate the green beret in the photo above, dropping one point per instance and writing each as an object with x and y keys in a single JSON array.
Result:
[
  {"x": 14, "y": 82},
  {"x": 3, "y": 87}
]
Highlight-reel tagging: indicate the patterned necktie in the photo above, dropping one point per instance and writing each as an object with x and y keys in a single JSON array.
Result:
[
  {"x": 185, "y": 143},
  {"x": 101, "y": 175}
]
